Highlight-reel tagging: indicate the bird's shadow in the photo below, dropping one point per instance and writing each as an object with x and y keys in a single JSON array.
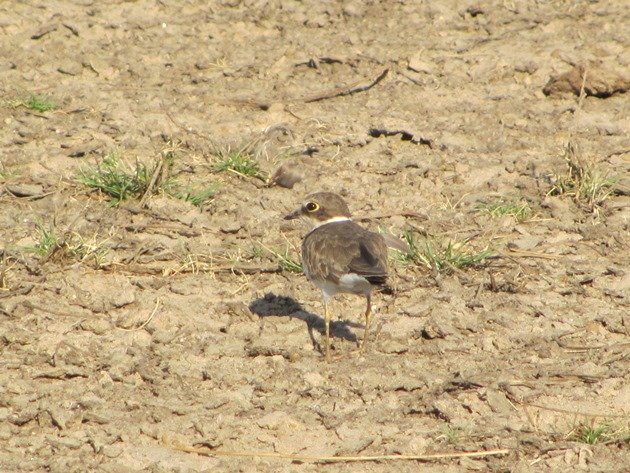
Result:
[{"x": 283, "y": 306}]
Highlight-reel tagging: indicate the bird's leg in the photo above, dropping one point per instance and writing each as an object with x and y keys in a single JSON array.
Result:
[
  {"x": 327, "y": 321},
  {"x": 368, "y": 318}
]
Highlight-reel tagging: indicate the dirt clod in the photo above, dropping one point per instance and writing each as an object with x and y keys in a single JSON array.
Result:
[{"x": 592, "y": 80}]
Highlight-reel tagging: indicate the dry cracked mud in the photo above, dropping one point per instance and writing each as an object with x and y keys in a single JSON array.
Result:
[{"x": 132, "y": 332}]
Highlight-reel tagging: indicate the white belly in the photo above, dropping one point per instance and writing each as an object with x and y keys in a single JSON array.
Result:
[{"x": 348, "y": 283}]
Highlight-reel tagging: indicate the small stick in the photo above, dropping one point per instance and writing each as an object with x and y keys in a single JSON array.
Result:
[
  {"x": 582, "y": 91},
  {"x": 359, "y": 86},
  {"x": 250, "y": 102},
  {"x": 245, "y": 270},
  {"x": 529, "y": 254},
  {"x": 337, "y": 459},
  {"x": 404, "y": 213},
  {"x": 146, "y": 322},
  {"x": 15, "y": 292},
  {"x": 566, "y": 411},
  {"x": 180, "y": 126},
  {"x": 346, "y": 90},
  {"x": 239, "y": 270},
  {"x": 157, "y": 175},
  {"x": 30, "y": 305}
]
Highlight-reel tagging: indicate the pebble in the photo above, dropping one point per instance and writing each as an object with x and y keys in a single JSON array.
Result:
[
  {"x": 231, "y": 228},
  {"x": 498, "y": 402},
  {"x": 25, "y": 190},
  {"x": 96, "y": 325},
  {"x": 418, "y": 64},
  {"x": 112, "y": 451},
  {"x": 71, "y": 68},
  {"x": 525, "y": 243}
]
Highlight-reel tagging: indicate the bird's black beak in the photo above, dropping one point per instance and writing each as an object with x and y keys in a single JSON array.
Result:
[{"x": 295, "y": 214}]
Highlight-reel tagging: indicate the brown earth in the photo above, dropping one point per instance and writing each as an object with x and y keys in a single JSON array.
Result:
[{"x": 185, "y": 332}]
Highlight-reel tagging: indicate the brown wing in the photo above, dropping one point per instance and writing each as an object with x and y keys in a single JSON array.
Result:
[
  {"x": 333, "y": 250},
  {"x": 371, "y": 262}
]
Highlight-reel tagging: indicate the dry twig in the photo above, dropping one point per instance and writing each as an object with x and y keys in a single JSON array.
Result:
[
  {"x": 574, "y": 413},
  {"x": 528, "y": 254},
  {"x": 156, "y": 178},
  {"x": 20, "y": 291},
  {"x": 146, "y": 322},
  {"x": 359, "y": 86},
  {"x": 341, "y": 459}
]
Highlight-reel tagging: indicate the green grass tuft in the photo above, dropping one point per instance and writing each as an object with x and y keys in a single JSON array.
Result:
[
  {"x": 46, "y": 240},
  {"x": 595, "y": 434},
  {"x": 7, "y": 173},
  {"x": 287, "y": 263},
  {"x": 121, "y": 182},
  {"x": 38, "y": 103},
  {"x": 237, "y": 161},
  {"x": 451, "y": 435},
  {"x": 442, "y": 256},
  {"x": 5, "y": 271},
  {"x": 71, "y": 246},
  {"x": 592, "y": 435},
  {"x": 284, "y": 259},
  {"x": 196, "y": 197},
  {"x": 520, "y": 211},
  {"x": 113, "y": 179}
]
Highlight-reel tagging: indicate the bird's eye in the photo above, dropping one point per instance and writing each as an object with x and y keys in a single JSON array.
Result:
[{"x": 312, "y": 206}]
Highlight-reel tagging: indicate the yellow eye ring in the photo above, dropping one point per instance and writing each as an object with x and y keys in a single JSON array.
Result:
[{"x": 312, "y": 206}]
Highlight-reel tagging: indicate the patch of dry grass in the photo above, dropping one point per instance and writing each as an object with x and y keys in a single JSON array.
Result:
[
  {"x": 583, "y": 181},
  {"x": 68, "y": 246}
]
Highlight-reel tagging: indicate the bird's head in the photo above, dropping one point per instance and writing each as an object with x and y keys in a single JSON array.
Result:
[{"x": 323, "y": 207}]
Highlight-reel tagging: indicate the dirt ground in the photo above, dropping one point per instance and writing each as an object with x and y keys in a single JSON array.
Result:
[{"x": 151, "y": 327}]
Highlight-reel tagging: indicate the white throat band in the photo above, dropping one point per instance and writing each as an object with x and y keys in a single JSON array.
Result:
[{"x": 332, "y": 220}]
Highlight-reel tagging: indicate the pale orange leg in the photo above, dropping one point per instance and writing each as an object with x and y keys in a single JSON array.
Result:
[
  {"x": 368, "y": 319},
  {"x": 327, "y": 321}
]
